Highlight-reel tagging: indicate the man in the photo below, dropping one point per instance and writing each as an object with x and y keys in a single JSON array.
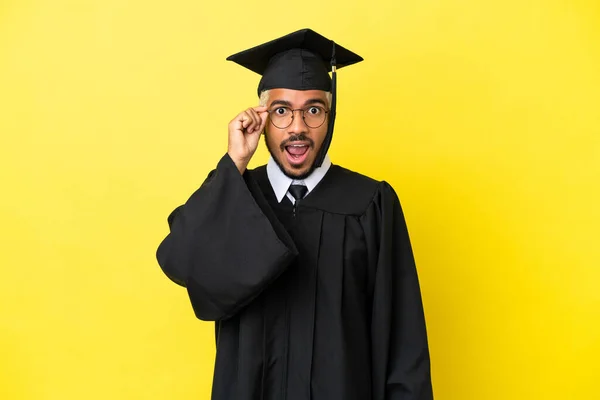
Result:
[{"x": 307, "y": 267}]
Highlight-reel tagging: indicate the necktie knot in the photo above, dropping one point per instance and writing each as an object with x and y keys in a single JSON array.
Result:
[{"x": 298, "y": 191}]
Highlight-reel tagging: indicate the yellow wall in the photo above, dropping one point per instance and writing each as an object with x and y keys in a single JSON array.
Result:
[{"x": 484, "y": 115}]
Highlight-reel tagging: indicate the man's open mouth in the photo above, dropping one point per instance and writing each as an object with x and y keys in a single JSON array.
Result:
[{"x": 296, "y": 152}]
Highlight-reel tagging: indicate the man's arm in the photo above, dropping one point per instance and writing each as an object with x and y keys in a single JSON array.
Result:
[
  {"x": 401, "y": 364},
  {"x": 222, "y": 245}
]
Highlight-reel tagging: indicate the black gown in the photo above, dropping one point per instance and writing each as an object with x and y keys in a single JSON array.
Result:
[{"x": 315, "y": 301}]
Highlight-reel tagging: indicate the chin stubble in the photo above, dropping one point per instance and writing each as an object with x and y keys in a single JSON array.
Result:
[{"x": 293, "y": 138}]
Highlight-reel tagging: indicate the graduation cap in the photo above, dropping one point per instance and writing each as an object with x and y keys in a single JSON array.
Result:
[{"x": 300, "y": 60}]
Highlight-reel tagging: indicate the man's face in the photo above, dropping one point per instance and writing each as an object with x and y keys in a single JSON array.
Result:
[{"x": 295, "y": 147}]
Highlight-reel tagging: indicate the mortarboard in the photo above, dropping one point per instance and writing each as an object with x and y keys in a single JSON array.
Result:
[{"x": 300, "y": 60}]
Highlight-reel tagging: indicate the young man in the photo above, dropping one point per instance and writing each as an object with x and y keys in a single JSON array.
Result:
[{"x": 306, "y": 266}]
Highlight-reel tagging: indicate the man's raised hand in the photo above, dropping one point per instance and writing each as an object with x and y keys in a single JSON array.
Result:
[{"x": 244, "y": 133}]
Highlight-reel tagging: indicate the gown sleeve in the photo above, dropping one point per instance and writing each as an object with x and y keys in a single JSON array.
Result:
[
  {"x": 400, "y": 353},
  {"x": 225, "y": 245}
]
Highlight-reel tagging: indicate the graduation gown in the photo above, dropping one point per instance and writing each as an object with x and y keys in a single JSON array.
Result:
[{"x": 317, "y": 301}]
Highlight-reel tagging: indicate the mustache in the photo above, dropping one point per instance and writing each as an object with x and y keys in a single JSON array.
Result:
[{"x": 297, "y": 138}]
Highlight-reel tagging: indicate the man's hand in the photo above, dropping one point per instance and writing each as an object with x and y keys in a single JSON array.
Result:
[{"x": 244, "y": 133}]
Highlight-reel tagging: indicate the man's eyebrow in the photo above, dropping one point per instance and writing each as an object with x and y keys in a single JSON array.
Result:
[
  {"x": 281, "y": 103},
  {"x": 315, "y": 101}
]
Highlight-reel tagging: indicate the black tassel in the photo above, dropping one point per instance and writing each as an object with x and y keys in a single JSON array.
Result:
[{"x": 332, "y": 111}]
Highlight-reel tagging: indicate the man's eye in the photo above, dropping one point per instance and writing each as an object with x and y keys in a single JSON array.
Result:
[
  {"x": 314, "y": 110},
  {"x": 281, "y": 111}
]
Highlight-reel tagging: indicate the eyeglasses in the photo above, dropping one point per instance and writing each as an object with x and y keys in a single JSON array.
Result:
[{"x": 313, "y": 116}]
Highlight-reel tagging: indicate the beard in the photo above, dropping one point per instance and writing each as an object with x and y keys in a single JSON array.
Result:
[{"x": 293, "y": 138}]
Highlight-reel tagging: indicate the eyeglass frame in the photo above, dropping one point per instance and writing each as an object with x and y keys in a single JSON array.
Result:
[{"x": 293, "y": 110}]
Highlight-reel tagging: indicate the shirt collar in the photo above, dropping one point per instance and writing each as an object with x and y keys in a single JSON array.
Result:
[{"x": 281, "y": 183}]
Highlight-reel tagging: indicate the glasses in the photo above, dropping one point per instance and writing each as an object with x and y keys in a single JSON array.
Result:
[{"x": 313, "y": 116}]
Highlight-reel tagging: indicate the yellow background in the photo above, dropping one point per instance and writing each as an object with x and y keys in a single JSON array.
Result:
[{"x": 484, "y": 115}]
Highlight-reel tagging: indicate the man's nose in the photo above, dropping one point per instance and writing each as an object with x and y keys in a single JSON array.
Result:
[{"x": 297, "y": 126}]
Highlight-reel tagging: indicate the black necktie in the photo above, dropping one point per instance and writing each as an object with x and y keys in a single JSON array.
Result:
[{"x": 298, "y": 191}]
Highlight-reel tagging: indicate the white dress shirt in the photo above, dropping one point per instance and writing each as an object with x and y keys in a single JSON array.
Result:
[{"x": 281, "y": 183}]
